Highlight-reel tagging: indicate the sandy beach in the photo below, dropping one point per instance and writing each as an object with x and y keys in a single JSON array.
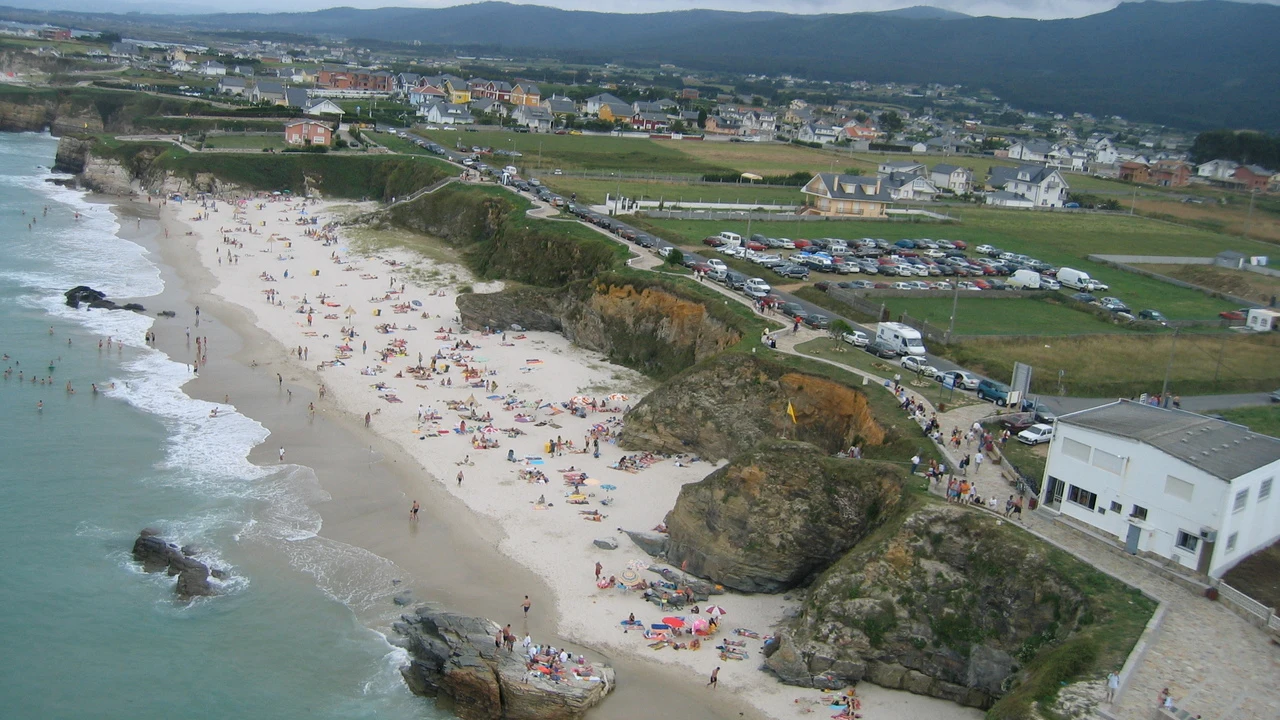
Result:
[{"x": 304, "y": 310}]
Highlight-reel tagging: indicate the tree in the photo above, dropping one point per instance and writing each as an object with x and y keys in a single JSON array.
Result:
[
  {"x": 675, "y": 257},
  {"x": 839, "y": 327},
  {"x": 860, "y": 116},
  {"x": 702, "y": 118},
  {"x": 891, "y": 122},
  {"x": 677, "y": 126},
  {"x": 1011, "y": 119}
]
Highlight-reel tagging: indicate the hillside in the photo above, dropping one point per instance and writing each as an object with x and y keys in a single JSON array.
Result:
[{"x": 1190, "y": 64}]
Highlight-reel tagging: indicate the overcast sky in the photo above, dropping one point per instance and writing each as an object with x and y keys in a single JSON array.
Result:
[{"x": 1043, "y": 9}]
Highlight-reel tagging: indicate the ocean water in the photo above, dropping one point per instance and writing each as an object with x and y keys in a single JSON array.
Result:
[{"x": 84, "y": 632}]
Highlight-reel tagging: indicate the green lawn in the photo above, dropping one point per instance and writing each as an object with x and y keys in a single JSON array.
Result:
[
  {"x": 245, "y": 141},
  {"x": 1011, "y": 316},
  {"x": 582, "y": 152},
  {"x": 593, "y": 191},
  {"x": 1057, "y": 238},
  {"x": 1263, "y": 419}
]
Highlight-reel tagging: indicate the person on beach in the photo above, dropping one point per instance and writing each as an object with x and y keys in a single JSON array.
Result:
[
  {"x": 715, "y": 679},
  {"x": 459, "y": 478},
  {"x": 413, "y": 512},
  {"x": 599, "y": 569},
  {"x": 281, "y": 453},
  {"x": 526, "y": 605},
  {"x": 1113, "y": 684}
]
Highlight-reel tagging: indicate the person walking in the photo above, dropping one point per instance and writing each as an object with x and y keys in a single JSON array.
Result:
[
  {"x": 715, "y": 679},
  {"x": 526, "y": 605},
  {"x": 281, "y": 453},
  {"x": 1113, "y": 684},
  {"x": 915, "y": 463},
  {"x": 978, "y": 458},
  {"x": 459, "y": 478},
  {"x": 599, "y": 569},
  {"x": 413, "y": 512}
]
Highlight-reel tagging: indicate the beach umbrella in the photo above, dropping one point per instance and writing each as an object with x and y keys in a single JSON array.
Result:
[
  {"x": 582, "y": 399},
  {"x": 675, "y": 622},
  {"x": 629, "y": 577},
  {"x": 350, "y": 311},
  {"x": 714, "y": 610},
  {"x": 471, "y": 400},
  {"x": 700, "y": 625},
  {"x": 618, "y": 397}
]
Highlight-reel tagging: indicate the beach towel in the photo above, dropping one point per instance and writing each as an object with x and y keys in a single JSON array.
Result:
[{"x": 533, "y": 361}]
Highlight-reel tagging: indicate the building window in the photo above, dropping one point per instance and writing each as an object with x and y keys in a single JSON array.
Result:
[
  {"x": 1104, "y": 460},
  {"x": 1076, "y": 449},
  {"x": 1115, "y": 506},
  {"x": 1082, "y": 497},
  {"x": 1231, "y": 542},
  {"x": 1242, "y": 499},
  {"x": 1187, "y": 541},
  {"x": 1139, "y": 513},
  {"x": 1178, "y": 488},
  {"x": 1264, "y": 490}
]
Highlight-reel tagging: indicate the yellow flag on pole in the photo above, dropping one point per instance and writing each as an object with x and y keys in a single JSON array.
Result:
[{"x": 791, "y": 412}]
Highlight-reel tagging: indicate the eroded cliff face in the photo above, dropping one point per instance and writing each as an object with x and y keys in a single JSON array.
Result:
[
  {"x": 779, "y": 514},
  {"x": 949, "y": 604},
  {"x": 650, "y": 329},
  {"x": 729, "y": 404},
  {"x": 39, "y": 116}
]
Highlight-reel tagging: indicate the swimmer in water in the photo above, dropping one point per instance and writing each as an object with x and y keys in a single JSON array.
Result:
[{"x": 39, "y": 406}]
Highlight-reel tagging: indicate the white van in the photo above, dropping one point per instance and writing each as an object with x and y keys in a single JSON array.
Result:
[
  {"x": 731, "y": 238},
  {"x": 1075, "y": 279},
  {"x": 904, "y": 339},
  {"x": 1024, "y": 280}
]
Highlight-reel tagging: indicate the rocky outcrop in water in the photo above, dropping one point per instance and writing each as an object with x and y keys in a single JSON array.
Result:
[
  {"x": 157, "y": 555},
  {"x": 452, "y": 656},
  {"x": 721, "y": 408},
  {"x": 779, "y": 514},
  {"x": 83, "y": 294}
]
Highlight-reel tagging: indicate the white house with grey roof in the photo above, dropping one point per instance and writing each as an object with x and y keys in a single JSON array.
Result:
[
  {"x": 958, "y": 180},
  {"x": 1027, "y": 186},
  {"x": 1189, "y": 489}
]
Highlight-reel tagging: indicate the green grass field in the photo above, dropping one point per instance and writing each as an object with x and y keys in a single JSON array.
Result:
[
  {"x": 1056, "y": 238},
  {"x": 593, "y": 191},
  {"x": 244, "y": 141},
  {"x": 1012, "y": 316},
  {"x": 1263, "y": 419},
  {"x": 582, "y": 152}
]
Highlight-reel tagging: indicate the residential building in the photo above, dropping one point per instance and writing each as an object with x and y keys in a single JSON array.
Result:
[
  {"x": 179, "y": 66},
  {"x": 559, "y": 106},
  {"x": 958, "y": 180},
  {"x": 1027, "y": 186},
  {"x": 424, "y": 94},
  {"x": 317, "y": 107},
  {"x": 268, "y": 91},
  {"x": 526, "y": 93},
  {"x": 232, "y": 86},
  {"x": 650, "y": 121},
  {"x": 361, "y": 79},
  {"x": 308, "y": 132},
  {"x": 854, "y": 196},
  {"x": 1171, "y": 173},
  {"x": 1252, "y": 177},
  {"x": 489, "y": 106},
  {"x": 908, "y": 186},
  {"x": 856, "y": 131},
  {"x": 534, "y": 117},
  {"x": 1194, "y": 491},
  {"x": 1217, "y": 169},
  {"x": 1034, "y": 150},
  {"x": 594, "y": 103},
  {"x": 688, "y": 94},
  {"x": 615, "y": 112},
  {"x": 449, "y": 114},
  {"x": 818, "y": 132},
  {"x": 213, "y": 68},
  {"x": 1135, "y": 172},
  {"x": 499, "y": 90},
  {"x": 901, "y": 166},
  {"x": 459, "y": 93}
]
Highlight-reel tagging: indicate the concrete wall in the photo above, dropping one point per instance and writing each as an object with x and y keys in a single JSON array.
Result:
[{"x": 1117, "y": 261}]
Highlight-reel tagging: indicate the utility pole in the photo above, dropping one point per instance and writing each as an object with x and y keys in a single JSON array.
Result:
[
  {"x": 955, "y": 304},
  {"x": 1164, "y": 389},
  {"x": 1133, "y": 203},
  {"x": 1221, "y": 349},
  {"x": 1248, "y": 221}
]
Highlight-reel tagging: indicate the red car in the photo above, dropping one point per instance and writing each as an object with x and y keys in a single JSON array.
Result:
[
  {"x": 753, "y": 245},
  {"x": 801, "y": 244},
  {"x": 1234, "y": 315},
  {"x": 713, "y": 241},
  {"x": 982, "y": 284},
  {"x": 701, "y": 268},
  {"x": 960, "y": 244}
]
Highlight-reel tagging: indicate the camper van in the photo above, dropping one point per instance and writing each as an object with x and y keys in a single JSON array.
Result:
[
  {"x": 902, "y": 338},
  {"x": 1024, "y": 280},
  {"x": 1262, "y": 320},
  {"x": 1074, "y": 279},
  {"x": 731, "y": 238}
]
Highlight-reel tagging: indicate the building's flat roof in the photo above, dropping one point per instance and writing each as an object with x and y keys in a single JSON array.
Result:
[{"x": 1222, "y": 449}]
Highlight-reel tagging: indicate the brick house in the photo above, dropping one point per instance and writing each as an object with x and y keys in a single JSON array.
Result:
[
  {"x": 1253, "y": 177},
  {"x": 308, "y": 132}
]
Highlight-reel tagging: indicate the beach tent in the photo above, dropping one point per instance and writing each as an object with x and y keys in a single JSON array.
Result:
[{"x": 350, "y": 311}]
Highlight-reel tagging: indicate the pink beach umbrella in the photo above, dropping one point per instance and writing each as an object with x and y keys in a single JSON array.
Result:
[{"x": 714, "y": 610}]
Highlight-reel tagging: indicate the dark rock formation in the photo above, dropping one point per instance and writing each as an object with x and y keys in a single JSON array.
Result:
[
  {"x": 654, "y": 543},
  {"x": 778, "y": 515},
  {"x": 942, "y": 606},
  {"x": 72, "y": 154},
  {"x": 96, "y": 299},
  {"x": 156, "y": 555},
  {"x": 726, "y": 406},
  {"x": 453, "y": 657},
  {"x": 649, "y": 327}
]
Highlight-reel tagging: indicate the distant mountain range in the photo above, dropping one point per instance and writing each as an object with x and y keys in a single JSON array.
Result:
[{"x": 1188, "y": 64}]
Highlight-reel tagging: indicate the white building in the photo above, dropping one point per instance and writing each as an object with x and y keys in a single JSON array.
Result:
[
  {"x": 1027, "y": 186},
  {"x": 958, "y": 180},
  {"x": 1217, "y": 169},
  {"x": 1169, "y": 483}
]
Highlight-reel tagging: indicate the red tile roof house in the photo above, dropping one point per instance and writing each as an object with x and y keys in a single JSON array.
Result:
[{"x": 308, "y": 132}]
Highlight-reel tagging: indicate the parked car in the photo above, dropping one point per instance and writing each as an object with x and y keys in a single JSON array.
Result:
[
  {"x": 1083, "y": 297},
  {"x": 1154, "y": 316},
  {"x": 717, "y": 264},
  {"x": 817, "y": 321},
  {"x": 881, "y": 349},
  {"x": 1036, "y": 434},
  {"x": 734, "y": 280},
  {"x": 857, "y": 338},
  {"x": 796, "y": 272},
  {"x": 791, "y": 309},
  {"x": 756, "y": 287},
  {"x": 963, "y": 380},
  {"x": 1275, "y": 396},
  {"x": 917, "y": 364},
  {"x": 996, "y": 392}
]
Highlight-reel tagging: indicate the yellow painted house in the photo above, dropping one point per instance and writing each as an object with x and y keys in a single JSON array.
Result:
[
  {"x": 459, "y": 92},
  {"x": 614, "y": 112},
  {"x": 855, "y": 196},
  {"x": 525, "y": 93}
]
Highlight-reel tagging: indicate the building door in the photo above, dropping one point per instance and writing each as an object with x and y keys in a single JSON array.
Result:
[
  {"x": 1131, "y": 542},
  {"x": 1053, "y": 493}
]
